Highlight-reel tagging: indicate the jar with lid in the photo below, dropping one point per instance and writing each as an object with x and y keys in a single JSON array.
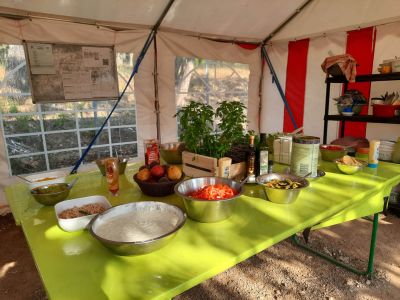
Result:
[{"x": 362, "y": 153}]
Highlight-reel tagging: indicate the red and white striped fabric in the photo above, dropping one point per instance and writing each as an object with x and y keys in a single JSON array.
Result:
[{"x": 297, "y": 64}]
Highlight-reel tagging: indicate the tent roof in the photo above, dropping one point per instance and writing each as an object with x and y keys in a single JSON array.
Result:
[
  {"x": 242, "y": 19},
  {"x": 251, "y": 20}
]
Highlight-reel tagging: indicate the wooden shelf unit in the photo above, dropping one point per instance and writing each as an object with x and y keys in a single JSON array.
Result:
[{"x": 358, "y": 118}]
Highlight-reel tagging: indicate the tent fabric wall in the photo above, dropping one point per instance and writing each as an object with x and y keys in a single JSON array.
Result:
[
  {"x": 387, "y": 45},
  {"x": 272, "y": 107},
  {"x": 272, "y": 118},
  {"x": 314, "y": 105},
  {"x": 171, "y": 45},
  {"x": 361, "y": 44},
  {"x": 15, "y": 32},
  {"x": 295, "y": 83}
]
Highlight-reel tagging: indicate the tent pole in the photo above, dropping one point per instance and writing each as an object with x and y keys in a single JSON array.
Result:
[
  {"x": 156, "y": 99},
  {"x": 260, "y": 93},
  {"x": 287, "y": 21},
  {"x": 278, "y": 85},
  {"x": 265, "y": 56},
  {"x": 146, "y": 46}
]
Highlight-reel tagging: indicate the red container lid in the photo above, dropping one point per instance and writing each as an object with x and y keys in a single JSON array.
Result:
[{"x": 363, "y": 150}]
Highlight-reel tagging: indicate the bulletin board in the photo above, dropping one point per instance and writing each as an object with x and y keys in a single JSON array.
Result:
[{"x": 65, "y": 72}]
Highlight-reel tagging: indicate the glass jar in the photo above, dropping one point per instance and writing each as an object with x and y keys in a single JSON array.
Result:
[
  {"x": 151, "y": 151},
  {"x": 362, "y": 154}
]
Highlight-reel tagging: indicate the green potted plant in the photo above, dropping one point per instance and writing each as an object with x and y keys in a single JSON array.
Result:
[{"x": 209, "y": 135}]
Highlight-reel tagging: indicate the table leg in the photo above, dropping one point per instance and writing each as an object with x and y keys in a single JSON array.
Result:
[{"x": 370, "y": 267}]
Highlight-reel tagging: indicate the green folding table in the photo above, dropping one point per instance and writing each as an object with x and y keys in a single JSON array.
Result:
[{"x": 76, "y": 266}]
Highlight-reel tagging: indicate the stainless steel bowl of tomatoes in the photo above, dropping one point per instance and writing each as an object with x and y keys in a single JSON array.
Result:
[{"x": 209, "y": 199}]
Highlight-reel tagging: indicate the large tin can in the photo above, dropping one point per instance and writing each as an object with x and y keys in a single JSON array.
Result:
[{"x": 304, "y": 158}]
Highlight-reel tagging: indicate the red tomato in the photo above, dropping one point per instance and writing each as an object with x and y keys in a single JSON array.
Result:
[{"x": 213, "y": 192}]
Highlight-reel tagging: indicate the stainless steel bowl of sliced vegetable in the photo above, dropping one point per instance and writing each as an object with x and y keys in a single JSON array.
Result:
[
  {"x": 208, "y": 210},
  {"x": 282, "y": 188}
]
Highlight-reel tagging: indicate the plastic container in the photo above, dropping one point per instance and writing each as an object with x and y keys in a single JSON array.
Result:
[
  {"x": 396, "y": 152},
  {"x": 373, "y": 154},
  {"x": 305, "y": 152},
  {"x": 362, "y": 154},
  {"x": 395, "y": 65},
  {"x": 46, "y": 178},
  {"x": 282, "y": 149},
  {"x": 383, "y": 110}
]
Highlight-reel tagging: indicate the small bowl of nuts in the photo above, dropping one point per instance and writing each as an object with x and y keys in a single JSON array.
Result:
[{"x": 349, "y": 165}]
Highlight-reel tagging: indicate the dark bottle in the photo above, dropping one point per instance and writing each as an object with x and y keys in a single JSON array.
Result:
[
  {"x": 263, "y": 155},
  {"x": 251, "y": 161}
]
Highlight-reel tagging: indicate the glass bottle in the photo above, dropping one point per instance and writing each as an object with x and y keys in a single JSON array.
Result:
[
  {"x": 251, "y": 160},
  {"x": 263, "y": 156},
  {"x": 112, "y": 175}
]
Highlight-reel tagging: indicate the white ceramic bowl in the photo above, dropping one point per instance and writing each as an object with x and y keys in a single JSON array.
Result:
[
  {"x": 78, "y": 223},
  {"x": 41, "y": 178}
]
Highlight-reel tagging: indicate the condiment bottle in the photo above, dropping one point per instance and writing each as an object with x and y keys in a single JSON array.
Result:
[
  {"x": 373, "y": 153},
  {"x": 251, "y": 159},
  {"x": 396, "y": 152},
  {"x": 151, "y": 152},
  {"x": 263, "y": 155}
]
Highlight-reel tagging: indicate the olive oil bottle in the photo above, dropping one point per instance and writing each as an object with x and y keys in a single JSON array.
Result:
[
  {"x": 251, "y": 162},
  {"x": 263, "y": 155}
]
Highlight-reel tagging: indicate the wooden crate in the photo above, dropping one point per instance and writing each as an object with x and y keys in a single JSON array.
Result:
[{"x": 195, "y": 165}]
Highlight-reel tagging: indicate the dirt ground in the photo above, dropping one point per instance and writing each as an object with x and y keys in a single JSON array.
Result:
[{"x": 281, "y": 272}]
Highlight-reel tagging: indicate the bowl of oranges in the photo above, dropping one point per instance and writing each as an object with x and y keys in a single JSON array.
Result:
[{"x": 158, "y": 180}]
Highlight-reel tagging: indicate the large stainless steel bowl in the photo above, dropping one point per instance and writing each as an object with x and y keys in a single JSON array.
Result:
[
  {"x": 282, "y": 196},
  {"x": 207, "y": 211},
  {"x": 150, "y": 226},
  {"x": 51, "y": 194}
]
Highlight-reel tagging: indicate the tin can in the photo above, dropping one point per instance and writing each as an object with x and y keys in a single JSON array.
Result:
[
  {"x": 304, "y": 157},
  {"x": 151, "y": 151}
]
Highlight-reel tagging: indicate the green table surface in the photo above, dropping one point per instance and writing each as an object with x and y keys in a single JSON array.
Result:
[{"x": 76, "y": 266}]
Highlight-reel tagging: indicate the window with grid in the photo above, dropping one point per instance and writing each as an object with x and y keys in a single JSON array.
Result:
[
  {"x": 42, "y": 137},
  {"x": 210, "y": 81}
]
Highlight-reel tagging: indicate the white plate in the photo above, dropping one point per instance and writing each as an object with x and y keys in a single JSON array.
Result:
[
  {"x": 78, "y": 223},
  {"x": 37, "y": 179}
]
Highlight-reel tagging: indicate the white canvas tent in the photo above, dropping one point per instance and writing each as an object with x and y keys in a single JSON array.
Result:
[{"x": 196, "y": 29}]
